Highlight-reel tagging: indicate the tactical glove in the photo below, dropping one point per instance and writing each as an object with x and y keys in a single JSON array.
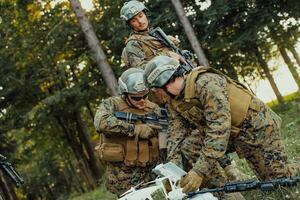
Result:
[
  {"x": 232, "y": 172},
  {"x": 191, "y": 182},
  {"x": 144, "y": 131}
]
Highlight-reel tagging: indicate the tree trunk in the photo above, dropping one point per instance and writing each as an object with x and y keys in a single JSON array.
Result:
[
  {"x": 295, "y": 54},
  {"x": 281, "y": 46},
  {"x": 90, "y": 111},
  {"x": 78, "y": 152},
  {"x": 190, "y": 33},
  {"x": 4, "y": 188},
  {"x": 12, "y": 192},
  {"x": 268, "y": 74},
  {"x": 290, "y": 65},
  {"x": 93, "y": 42},
  {"x": 87, "y": 105},
  {"x": 82, "y": 133},
  {"x": 72, "y": 172}
]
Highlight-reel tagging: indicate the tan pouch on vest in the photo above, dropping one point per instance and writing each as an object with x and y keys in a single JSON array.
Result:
[
  {"x": 143, "y": 153},
  {"x": 154, "y": 149},
  {"x": 112, "y": 152},
  {"x": 131, "y": 152},
  {"x": 239, "y": 104}
]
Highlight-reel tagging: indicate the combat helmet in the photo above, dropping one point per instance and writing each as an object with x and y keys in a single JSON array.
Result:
[
  {"x": 160, "y": 70},
  {"x": 131, "y": 8},
  {"x": 132, "y": 82}
]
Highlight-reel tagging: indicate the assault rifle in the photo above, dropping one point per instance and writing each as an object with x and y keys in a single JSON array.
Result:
[
  {"x": 10, "y": 171},
  {"x": 149, "y": 118},
  {"x": 240, "y": 186},
  {"x": 161, "y": 36}
]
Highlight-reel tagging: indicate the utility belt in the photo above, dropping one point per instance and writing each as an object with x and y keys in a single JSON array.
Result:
[{"x": 132, "y": 152}]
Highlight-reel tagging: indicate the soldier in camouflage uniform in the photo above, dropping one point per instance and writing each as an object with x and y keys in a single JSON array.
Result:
[
  {"x": 232, "y": 120},
  {"x": 140, "y": 46},
  {"x": 129, "y": 150}
]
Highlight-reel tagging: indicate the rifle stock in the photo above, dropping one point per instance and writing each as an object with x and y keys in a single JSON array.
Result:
[{"x": 161, "y": 36}]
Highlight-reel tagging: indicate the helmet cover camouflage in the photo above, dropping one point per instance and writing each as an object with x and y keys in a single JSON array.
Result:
[
  {"x": 132, "y": 82},
  {"x": 159, "y": 70},
  {"x": 130, "y": 9}
]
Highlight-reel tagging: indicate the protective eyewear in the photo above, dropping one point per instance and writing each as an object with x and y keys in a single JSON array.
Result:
[{"x": 139, "y": 98}]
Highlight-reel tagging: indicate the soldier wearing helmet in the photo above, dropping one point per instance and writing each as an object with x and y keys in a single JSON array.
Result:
[
  {"x": 140, "y": 46},
  {"x": 228, "y": 116},
  {"x": 129, "y": 150}
]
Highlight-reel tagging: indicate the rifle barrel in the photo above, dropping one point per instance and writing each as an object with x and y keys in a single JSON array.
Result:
[{"x": 250, "y": 185}]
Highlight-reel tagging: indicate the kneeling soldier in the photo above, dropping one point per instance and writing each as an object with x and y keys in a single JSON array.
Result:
[{"x": 129, "y": 150}]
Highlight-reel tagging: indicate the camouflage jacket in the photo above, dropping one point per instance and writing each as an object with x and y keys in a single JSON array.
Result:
[
  {"x": 211, "y": 117},
  {"x": 141, "y": 48}
]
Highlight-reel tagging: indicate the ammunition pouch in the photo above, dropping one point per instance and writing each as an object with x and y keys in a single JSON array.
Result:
[
  {"x": 130, "y": 151},
  {"x": 111, "y": 152}
]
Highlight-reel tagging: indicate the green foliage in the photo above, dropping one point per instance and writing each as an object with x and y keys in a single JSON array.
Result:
[
  {"x": 99, "y": 193},
  {"x": 48, "y": 75}
]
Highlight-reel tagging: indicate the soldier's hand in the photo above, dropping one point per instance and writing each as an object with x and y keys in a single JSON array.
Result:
[
  {"x": 176, "y": 56},
  {"x": 144, "y": 131},
  {"x": 233, "y": 173},
  {"x": 191, "y": 182}
]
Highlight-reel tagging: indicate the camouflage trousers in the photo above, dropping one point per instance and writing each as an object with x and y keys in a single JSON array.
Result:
[
  {"x": 120, "y": 178},
  {"x": 259, "y": 142},
  {"x": 217, "y": 178}
]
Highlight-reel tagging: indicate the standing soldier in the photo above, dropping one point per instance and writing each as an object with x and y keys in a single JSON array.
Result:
[
  {"x": 129, "y": 150},
  {"x": 230, "y": 117},
  {"x": 141, "y": 47}
]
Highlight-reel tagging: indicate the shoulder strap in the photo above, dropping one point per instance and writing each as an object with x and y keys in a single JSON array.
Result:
[
  {"x": 189, "y": 90},
  {"x": 121, "y": 104},
  {"x": 142, "y": 39}
]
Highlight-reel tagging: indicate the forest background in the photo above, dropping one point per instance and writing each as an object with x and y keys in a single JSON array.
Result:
[{"x": 53, "y": 77}]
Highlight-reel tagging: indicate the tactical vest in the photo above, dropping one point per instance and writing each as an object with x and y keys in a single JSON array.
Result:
[
  {"x": 150, "y": 45},
  {"x": 191, "y": 109},
  {"x": 131, "y": 151}
]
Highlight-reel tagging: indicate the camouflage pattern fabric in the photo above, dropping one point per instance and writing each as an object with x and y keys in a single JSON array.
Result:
[
  {"x": 107, "y": 122},
  {"x": 119, "y": 176},
  {"x": 184, "y": 145},
  {"x": 258, "y": 141},
  {"x": 138, "y": 52}
]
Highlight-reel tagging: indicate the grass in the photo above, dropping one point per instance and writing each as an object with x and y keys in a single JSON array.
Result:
[
  {"x": 98, "y": 194},
  {"x": 290, "y": 114}
]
